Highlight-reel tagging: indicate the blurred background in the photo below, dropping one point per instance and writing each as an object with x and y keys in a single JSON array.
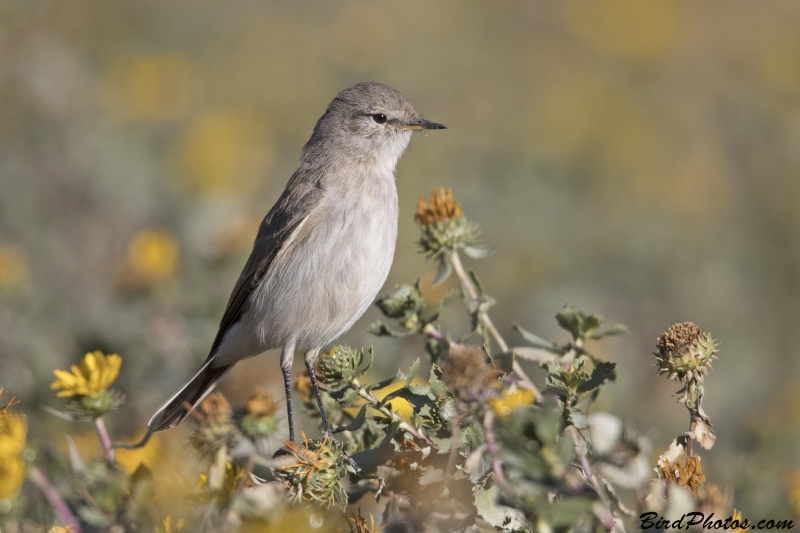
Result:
[{"x": 637, "y": 159}]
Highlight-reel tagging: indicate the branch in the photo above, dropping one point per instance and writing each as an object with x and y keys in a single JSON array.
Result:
[{"x": 469, "y": 288}]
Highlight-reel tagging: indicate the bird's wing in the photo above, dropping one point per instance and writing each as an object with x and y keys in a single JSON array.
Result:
[{"x": 299, "y": 199}]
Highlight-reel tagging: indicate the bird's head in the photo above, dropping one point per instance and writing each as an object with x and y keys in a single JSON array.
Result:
[{"x": 368, "y": 122}]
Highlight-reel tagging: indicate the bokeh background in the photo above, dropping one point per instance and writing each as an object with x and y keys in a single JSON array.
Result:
[{"x": 636, "y": 158}]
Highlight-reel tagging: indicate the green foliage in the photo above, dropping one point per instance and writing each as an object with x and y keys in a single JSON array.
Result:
[{"x": 479, "y": 448}]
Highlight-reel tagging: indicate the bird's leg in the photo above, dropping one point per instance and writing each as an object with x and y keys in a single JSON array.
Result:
[
  {"x": 311, "y": 355},
  {"x": 287, "y": 356}
]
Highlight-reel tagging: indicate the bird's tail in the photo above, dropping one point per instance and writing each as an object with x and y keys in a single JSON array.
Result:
[{"x": 176, "y": 408}]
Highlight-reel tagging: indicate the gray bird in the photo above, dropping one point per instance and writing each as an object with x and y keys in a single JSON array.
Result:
[{"x": 322, "y": 252}]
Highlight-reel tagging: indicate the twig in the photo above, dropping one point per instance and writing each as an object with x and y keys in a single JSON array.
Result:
[
  {"x": 455, "y": 445},
  {"x": 466, "y": 283},
  {"x": 105, "y": 440},
  {"x": 376, "y": 404},
  {"x": 577, "y": 440},
  {"x": 54, "y": 498},
  {"x": 491, "y": 447}
]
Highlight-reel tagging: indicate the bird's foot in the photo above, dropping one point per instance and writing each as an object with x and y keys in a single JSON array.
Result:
[{"x": 349, "y": 460}]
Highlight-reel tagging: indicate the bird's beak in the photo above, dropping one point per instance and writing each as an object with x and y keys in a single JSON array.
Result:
[{"x": 422, "y": 124}]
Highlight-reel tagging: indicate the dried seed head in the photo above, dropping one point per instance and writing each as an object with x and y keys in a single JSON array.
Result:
[
  {"x": 215, "y": 427},
  {"x": 443, "y": 226},
  {"x": 687, "y": 474},
  {"x": 261, "y": 403},
  {"x": 314, "y": 472},
  {"x": 464, "y": 369},
  {"x": 685, "y": 351},
  {"x": 215, "y": 407},
  {"x": 442, "y": 207}
]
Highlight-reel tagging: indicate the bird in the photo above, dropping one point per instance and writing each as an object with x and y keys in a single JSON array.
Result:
[{"x": 322, "y": 252}]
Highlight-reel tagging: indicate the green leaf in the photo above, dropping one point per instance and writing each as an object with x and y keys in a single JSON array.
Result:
[
  {"x": 616, "y": 329},
  {"x": 363, "y": 370},
  {"x": 444, "y": 271},
  {"x": 416, "y": 400},
  {"x": 603, "y": 371},
  {"x": 412, "y": 372},
  {"x": 369, "y": 460},
  {"x": 348, "y": 398},
  {"x": 436, "y": 385},
  {"x": 382, "y": 330},
  {"x": 478, "y": 253},
  {"x": 357, "y": 422},
  {"x": 499, "y": 516},
  {"x": 385, "y": 383},
  {"x": 576, "y": 417},
  {"x": 475, "y": 281},
  {"x": 613, "y": 498},
  {"x": 537, "y": 341}
]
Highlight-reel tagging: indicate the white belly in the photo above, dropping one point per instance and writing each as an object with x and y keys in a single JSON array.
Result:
[{"x": 328, "y": 275}]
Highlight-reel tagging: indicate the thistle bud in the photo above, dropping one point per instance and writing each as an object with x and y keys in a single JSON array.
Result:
[
  {"x": 685, "y": 351},
  {"x": 404, "y": 300},
  {"x": 314, "y": 472},
  {"x": 338, "y": 367},
  {"x": 464, "y": 370},
  {"x": 215, "y": 427},
  {"x": 443, "y": 226},
  {"x": 259, "y": 420}
]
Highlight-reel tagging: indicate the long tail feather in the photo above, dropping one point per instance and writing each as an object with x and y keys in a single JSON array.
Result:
[{"x": 175, "y": 409}]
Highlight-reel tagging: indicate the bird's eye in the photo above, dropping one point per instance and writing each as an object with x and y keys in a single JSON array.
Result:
[{"x": 380, "y": 118}]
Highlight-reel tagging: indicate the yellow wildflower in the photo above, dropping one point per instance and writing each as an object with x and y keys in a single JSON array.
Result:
[
  {"x": 12, "y": 442},
  {"x": 168, "y": 527},
  {"x": 232, "y": 476},
  {"x": 512, "y": 399},
  {"x": 152, "y": 256},
  {"x": 57, "y": 529},
  {"x": 737, "y": 517},
  {"x": 95, "y": 373}
]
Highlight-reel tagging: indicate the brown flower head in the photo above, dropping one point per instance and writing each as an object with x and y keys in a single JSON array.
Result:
[
  {"x": 261, "y": 403},
  {"x": 686, "y": 473},
  {"x": 216, "y": 408},
  {"x": 464, "y": 369},
  {"x": 314, "y": 471},
  {"x": 685, "y": 351},
  {"x": 442, "y": 207}
]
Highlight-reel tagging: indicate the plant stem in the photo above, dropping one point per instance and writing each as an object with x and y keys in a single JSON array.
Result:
[
  {"x": 54, "y": 498},
  {"x": 376, "y": 404},
  {"x": 577, "y": 441},
  {"x": 105, "y": 440},
  {"x": 472, "y": 293},
  {"x": 491, "y": 447}
]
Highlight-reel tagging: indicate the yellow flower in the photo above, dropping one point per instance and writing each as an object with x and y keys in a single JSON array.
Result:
[
  {"x": 512, "y": 399},
  {"x": 12, "y": 443},
  {"x": 168, "y": 527},
  {"x": 152, "y": 256},
  {"x": 232, "y": 476},
  {"x": 737, "y": 516},
  {"x": 57, "y": 529},
  {"x": 95, "y": 373}
]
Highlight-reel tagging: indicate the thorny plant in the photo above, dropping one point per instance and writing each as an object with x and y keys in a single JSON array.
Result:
[{"x": 483, "y": 448}]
